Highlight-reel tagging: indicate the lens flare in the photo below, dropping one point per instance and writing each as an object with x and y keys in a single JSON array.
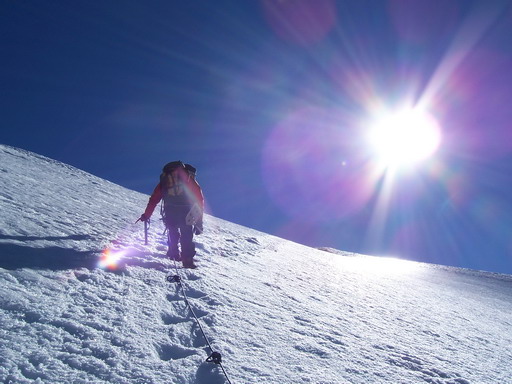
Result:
[
  {"x": 303, "y": 22},
  {"x": 110, "y": 259},
  {"x": 313, "y": 167}
]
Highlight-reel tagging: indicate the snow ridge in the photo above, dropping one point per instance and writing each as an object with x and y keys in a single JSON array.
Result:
[{"x": 279, "y": 312}]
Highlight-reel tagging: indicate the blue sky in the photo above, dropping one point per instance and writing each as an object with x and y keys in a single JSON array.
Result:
[{"x": 270, "y": 101}]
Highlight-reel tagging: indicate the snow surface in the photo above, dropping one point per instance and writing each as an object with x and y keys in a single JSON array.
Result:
[{"x": 277, "y": 311}]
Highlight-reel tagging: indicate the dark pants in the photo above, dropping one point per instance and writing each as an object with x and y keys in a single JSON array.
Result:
[{"x": 181, "y": 235}]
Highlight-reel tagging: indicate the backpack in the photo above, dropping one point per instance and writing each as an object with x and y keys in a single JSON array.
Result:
[
  {"x": 192, "y": 171},
  {"x": 173, "y": 182}
]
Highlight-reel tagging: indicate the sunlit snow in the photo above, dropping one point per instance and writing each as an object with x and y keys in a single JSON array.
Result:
[{"x": 83, "y": 300}]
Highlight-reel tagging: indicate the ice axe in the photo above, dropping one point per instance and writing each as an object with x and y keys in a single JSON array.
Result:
[{"x": 146, "y": 228}]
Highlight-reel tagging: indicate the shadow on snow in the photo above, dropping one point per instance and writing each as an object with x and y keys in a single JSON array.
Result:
[
  {"x": 46, "y": 238},
  {"x": 17, "y": 256},
  {"x": 14, "y": 256}
]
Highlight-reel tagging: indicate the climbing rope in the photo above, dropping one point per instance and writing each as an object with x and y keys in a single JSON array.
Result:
[{"x": 214, "y": 357}]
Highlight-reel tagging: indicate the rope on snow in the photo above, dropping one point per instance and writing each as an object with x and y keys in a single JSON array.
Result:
[{"x": 214, "y": 357}]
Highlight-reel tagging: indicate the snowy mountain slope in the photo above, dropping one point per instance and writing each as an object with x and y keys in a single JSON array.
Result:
[{"x": 279, "y": 312}]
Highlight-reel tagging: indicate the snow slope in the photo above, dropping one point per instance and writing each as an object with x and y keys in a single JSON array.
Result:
[{"x": 277, "y": 311}]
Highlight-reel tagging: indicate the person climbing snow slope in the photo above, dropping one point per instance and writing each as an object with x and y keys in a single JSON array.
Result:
[{"x": 182, "y": 210}]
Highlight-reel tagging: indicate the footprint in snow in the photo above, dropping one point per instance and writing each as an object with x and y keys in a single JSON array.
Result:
[
  {"x": 192, "y": 276},
  {"x": 208, "y": 373},
  {"x": 170, "y": 319},
  {"x": 194, "y": 293},
  {"x": 252, "y": 240},
  {"x": 201, "y": 314},
  {"x": 173, "y": 352},
  {"x": 198, "y": 340},
  {"x": 416, "y": 364},
  {"x": 172, "y": 297}
]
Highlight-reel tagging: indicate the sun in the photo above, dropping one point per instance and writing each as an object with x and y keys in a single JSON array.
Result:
[{"x": 404, "y": 138}]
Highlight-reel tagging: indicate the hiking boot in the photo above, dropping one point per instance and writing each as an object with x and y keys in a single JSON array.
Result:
[{"x": 189, "y": 264}]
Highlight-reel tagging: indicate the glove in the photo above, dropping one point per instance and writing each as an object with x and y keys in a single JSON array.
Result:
[
  {"x": 143, "y": 217},
  {"x": 198, "y": 228}
]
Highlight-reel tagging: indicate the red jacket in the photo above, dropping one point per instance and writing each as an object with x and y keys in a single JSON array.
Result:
[{"x": 192, "y": 185}]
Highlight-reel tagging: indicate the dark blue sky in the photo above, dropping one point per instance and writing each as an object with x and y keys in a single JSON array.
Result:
[{"x": 269, "y": 99}]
